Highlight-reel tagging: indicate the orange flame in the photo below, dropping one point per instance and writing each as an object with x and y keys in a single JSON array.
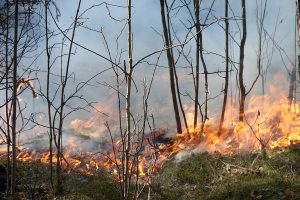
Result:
[{"x": 270, "y": 122}]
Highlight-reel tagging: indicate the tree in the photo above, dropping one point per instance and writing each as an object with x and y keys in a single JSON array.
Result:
[
  {"x": 63, "y": 100},
  {"x": 7, "y": 97},
  {"x": 200, "y": 51},
  {"x": 226, "y": 67},
  {"x": 20, "y": 19},
  {"x": 198, "y": 32},
  {"x": 241, "y": 63},
  {"x": 49, "y": 102},
  {"x": 243, "y": 92},
  {"x": 260, "y": 28},
  {"x": 128, "y": 107},
  {"x": 167, "y": 41},
  {"x": 14, "y": 102},
  {"x": 298, "y": 28}
]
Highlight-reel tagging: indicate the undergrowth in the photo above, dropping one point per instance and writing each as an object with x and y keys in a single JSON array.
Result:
[{"x": 275, "y": 175}]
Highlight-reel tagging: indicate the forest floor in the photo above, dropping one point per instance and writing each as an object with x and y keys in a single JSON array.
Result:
[{"x": 274, "y": 175}]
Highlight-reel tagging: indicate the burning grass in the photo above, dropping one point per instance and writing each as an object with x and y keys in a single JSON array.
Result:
[
  {"x": 201, "y": 176},
  {"x": 265, "y": 127},
  {"x": 270, "y": 123},
  {"x": 235, "y": 167}
]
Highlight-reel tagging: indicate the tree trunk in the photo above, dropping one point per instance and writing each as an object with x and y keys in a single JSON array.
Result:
[
  {"x": 241, "y": 63},
  {"x": 59, "y": 188},
  {"x": 292, "y": 86},
  {"x": 128, "y": 108},
  {"x": 298, "y": 29},
  {"x": 197, "y": 25},
  {"x": 171, "y": 66},
  {"x": 205, "y": 80},
  {"x": 180, "y": 103},
  {"x": 260, "y": 18},
  {"x": 226, "y": 68},
  {"x": 7, "y": 109},
  {"x": 48, "y": 96},
  {"x": 199, "y": 55},
  {"x": 175, "y": 74},
  {"x": 14, "y": 102}
]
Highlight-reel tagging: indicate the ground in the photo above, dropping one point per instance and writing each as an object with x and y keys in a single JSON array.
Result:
[
  {"x": 271, "y": 175},
  {"x": 275, "y": 175}
]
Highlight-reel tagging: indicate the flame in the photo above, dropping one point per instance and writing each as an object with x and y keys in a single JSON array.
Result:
[
  {"x": 29, "y": 83},
  {"x": 270, "y": 123},
  {"x": 81, "y": 124},
  {"x": 141, "y": 172}
]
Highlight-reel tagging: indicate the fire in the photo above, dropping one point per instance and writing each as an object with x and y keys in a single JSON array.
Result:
[
  {"x": 29, "y": 83},
  {"x": 270, "y": 123},
  {"x": 81, "y": 124},
  {"x": 141, "y": 167}
]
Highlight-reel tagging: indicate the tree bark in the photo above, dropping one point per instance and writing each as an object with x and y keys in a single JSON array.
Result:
[
  {"x": 7, "y": 109},
  {"x": 199, "y": 48},
  {"x": 128, "y": 107},
  {"x": 241, "y": 63},
  {"x": 14, "y": 102},
  {"x": 292, "y": 86},
  {"x": 226, "y": 68},
  {"x": 260, "y": 26},
  {"x": 180, "y": 103},
  {"x": 59, "y": 187},
  {"x": 171, "y": 66},
  {"x": 205, "y": 80},
  {"x": 198, "y": 29},
  {"x": 48, "y": 96}
]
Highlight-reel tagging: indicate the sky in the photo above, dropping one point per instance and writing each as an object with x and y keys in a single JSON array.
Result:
[{"x": 147, "y": 38}]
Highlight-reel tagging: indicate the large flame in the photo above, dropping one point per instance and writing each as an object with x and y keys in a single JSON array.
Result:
[{"x": 270, "y": 122}]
